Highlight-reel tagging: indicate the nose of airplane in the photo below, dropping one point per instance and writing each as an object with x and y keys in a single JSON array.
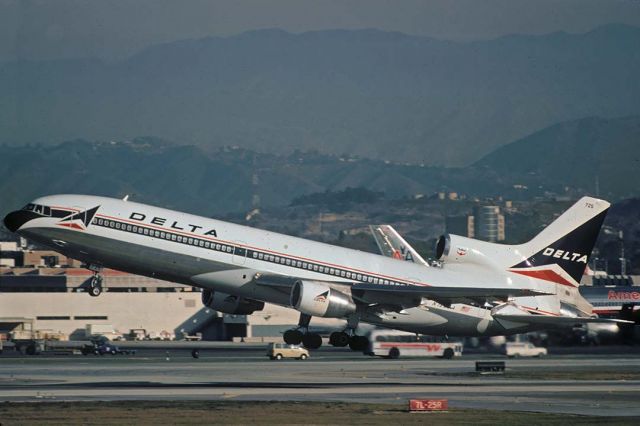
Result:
[{"x": 14, "y": 220}]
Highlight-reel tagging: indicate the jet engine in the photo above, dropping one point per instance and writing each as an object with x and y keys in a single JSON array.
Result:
[
  {"x": 229, "y": 304},
  {"x": 319, "y": 300},
  {"x": 456, "y": 249}
]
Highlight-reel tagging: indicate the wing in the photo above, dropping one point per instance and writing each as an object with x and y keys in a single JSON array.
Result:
[
  {"x": 376, "y": 293},
  {"x": 548, "y": 320}
]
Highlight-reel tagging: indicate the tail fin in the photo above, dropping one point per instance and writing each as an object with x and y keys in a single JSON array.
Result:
[
  {"x": 391, "y": 244},
  {"x": 560, "y": 253}
]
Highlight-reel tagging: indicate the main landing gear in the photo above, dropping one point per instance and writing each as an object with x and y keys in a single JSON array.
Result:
[
  {"x": 95, "y": 285},
  {"x": 338, "y": 338},
  {"x": 302, "y": 335}
]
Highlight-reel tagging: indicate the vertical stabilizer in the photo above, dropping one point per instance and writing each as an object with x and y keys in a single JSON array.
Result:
[{"x": 560, "y": 253}]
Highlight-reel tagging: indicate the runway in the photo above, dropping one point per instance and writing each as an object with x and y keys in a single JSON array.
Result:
[{"x": 572, "y": 384}]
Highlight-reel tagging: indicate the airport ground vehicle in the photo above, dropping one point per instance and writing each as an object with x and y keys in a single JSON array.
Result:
[
  {"x": 517, "y": 349},
  {"x": 393, "y": 344},
  {"x": 282, "y": 350},
  {"x": 101, "y": 345}
]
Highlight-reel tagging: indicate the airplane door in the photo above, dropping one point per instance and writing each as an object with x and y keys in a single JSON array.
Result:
[{"x": 239, "y": 253}]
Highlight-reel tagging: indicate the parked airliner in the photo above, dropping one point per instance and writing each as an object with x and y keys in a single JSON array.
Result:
[{"x": 239, "y": 268}]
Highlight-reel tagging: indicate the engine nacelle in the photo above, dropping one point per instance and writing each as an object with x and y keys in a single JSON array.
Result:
[
  {"x": 456, "y": 249},
  {"x": 320, "y": 300},
  {"x": 229, "y": 304}
]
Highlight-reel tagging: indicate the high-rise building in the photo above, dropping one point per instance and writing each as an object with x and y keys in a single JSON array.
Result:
[{"x": 489, "y": 223}]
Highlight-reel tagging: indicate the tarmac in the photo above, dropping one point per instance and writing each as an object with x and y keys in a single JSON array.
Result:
[{"x": 554, "y": 384}]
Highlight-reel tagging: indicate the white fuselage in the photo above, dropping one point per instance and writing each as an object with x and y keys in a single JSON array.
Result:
[{"x": 226, "y": 257}]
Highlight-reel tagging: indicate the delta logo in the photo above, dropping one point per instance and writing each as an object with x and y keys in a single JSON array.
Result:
[
  {"x": 322, "y": 297},
  {"x": 462, "y": 251},
  {"x": 80, "y": 220},
  {"x": 565, "y": 255}
]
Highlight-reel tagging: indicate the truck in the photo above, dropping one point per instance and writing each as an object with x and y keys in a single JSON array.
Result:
[{"x": 106, "y": 330}]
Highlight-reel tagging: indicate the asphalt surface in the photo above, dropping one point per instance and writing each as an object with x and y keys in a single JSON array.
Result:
[{"x": 243, "y": 372}]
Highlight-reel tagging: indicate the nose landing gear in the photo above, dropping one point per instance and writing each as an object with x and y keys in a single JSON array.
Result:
[{"x": 95, "y": 285}]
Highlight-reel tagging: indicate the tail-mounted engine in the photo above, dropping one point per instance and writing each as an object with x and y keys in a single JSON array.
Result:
[
  {"x": 456, "y": 249},
  {"x": 229, "y": 304},
  {"x": 319, "y": 300}
]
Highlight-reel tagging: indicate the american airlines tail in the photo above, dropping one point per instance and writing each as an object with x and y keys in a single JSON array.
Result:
[{"x": 559, "y": 254}]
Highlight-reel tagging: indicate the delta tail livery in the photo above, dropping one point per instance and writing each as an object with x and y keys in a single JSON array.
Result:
[{"x": 478, "y": 289}]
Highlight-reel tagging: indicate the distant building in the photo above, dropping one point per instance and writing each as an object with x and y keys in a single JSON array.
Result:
[{"x": 489, "y": 223}]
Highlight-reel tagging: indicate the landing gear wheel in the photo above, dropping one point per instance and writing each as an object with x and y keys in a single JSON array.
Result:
[
  {"x": 312, "y": 341},
  {"x": 358, "y": 343},
  {"x": 293, "y": 337},
  {"x": 95, "y": 291},
  {"x": 339, "y": 339},
  {"x": 95, "y": 287}
]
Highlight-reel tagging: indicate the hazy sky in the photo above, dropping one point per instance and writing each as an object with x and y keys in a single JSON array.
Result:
[{"x": 46, "y": 29}]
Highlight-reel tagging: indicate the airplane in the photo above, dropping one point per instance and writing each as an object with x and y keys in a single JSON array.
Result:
[
  {"x": 240, "y": 268},
  {"x": 608, "y": 303}
]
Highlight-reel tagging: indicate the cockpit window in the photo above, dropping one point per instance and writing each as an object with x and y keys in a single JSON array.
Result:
[{"x": 37, "y": 208}]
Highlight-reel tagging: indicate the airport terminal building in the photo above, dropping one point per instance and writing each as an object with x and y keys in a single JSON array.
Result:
[
  {"x": 47, "y": 298},
  {"x": 44, "y": 295}
]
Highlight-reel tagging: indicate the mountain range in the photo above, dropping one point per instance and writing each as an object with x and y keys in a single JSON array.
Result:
[
  {"x": 369, "y": 93},
  {"x": 568, "y": 159}
]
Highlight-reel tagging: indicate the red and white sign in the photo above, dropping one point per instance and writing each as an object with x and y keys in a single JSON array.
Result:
[{"x": 428, "y": 404}]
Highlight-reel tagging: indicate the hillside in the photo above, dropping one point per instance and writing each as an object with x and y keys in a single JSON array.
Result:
[
  {"x": 370, "y": 93},
  {"x": 561, "y": 160},
  {"x": 575, "y": 154}
]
